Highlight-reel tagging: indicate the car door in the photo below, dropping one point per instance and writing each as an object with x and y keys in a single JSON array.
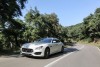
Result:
[
  {"x": 54, "y": 46},
  {"x": 57, "y": 45},
  {"x": 51, "y": 45}
]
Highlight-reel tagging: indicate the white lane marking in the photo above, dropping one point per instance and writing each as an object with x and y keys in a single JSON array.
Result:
[
  {"x": 98, "y": 48},
  {"x": 50, "y": 64}
]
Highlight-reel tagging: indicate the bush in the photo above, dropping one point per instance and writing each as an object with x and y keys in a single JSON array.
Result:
[{"x": 88, "y": 40}]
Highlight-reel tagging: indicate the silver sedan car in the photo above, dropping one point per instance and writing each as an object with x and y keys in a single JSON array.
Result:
[{"x": 43, "y": 47}]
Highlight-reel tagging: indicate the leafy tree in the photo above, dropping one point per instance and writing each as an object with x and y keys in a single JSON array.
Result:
[
  {"x": 10, "y": 9},
  {"x": 13, "y": 33},
  {"x": 32, "y": 20},
  {"x": 10, "y": 28}
]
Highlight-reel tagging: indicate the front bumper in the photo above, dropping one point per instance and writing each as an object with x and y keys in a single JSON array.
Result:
[{"x": 33, "y": 52}]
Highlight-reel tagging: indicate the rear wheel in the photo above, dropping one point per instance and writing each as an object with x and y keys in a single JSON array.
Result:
[{"x": 46, "y": 53}]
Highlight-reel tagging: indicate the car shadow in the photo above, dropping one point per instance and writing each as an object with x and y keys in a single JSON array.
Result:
[{"x": 66, "y": 51}]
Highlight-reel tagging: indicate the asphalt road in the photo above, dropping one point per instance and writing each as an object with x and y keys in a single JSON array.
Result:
[{"x": 76, "y": 56}]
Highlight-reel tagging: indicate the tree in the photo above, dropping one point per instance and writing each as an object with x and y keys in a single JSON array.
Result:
[
  {"x": 51, "y": 24},
  {"x": 97, "y": 11},
  {"x": 33, "y": 23},
  {"x": 13, "y": 33},
  {"x": 10, "y": 9}
]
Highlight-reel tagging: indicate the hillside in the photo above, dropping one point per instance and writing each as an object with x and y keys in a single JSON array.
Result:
[{"x": 88, "y": 30}]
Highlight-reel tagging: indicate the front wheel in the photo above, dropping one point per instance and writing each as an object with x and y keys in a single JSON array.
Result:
[{"x": 46, "y": 53}]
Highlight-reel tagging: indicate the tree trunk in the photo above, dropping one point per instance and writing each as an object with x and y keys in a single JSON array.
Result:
[{"x": 16, "y": 41}]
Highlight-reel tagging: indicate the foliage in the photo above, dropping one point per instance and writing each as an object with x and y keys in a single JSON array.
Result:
[
  {"x": 89, "y": 29},
  {"x": 42, "y": 25},
  {"x": 10, "y": 29},
  {"x": 34, "y": 26},
  {"x": 10, "y": 9}
]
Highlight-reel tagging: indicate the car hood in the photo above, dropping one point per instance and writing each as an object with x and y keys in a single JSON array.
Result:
[{"x": 33, "y": 45}]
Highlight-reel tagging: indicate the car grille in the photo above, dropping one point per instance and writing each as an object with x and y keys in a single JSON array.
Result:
[{"x": 27, "y": 50}]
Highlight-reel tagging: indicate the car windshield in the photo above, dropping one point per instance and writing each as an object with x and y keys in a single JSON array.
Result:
[{"x": 43, "y": 40}]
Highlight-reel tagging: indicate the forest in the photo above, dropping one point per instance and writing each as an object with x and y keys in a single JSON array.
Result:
[{"x": 15, "y": 31}]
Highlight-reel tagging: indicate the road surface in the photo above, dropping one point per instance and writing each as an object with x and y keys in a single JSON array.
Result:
[{"x": 76, "y": 56}]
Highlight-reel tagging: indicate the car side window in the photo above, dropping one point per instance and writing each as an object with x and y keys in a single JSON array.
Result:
[{"x": 55, "y": 41}]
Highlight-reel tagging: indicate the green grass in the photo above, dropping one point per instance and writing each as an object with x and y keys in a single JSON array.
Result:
[{"x": 91, "y": 43}]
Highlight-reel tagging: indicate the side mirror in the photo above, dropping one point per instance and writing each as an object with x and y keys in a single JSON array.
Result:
[{"x": 53, "y": 41}]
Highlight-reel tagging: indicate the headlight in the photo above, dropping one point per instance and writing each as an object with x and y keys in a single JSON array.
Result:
[{"x": 38, "y": 48}]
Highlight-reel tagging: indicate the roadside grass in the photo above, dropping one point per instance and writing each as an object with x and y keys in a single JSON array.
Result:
[
  {"x": 91, "y": 43},
  {"x": 8, "y": 52},
  {"x": 67, "y": 44}
]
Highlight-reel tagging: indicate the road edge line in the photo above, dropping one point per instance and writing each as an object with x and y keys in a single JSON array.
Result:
[
  {"x": 50, "y": 64},
  {"x": 98, "y": 48}
]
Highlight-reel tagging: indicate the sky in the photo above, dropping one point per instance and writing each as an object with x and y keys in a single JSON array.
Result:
[{"x": 69, "y": 12}]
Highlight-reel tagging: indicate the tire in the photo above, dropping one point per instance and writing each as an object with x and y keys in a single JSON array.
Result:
[
  {"x": 62, "y": 49},
  {"x": 46, "y": 53}
]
